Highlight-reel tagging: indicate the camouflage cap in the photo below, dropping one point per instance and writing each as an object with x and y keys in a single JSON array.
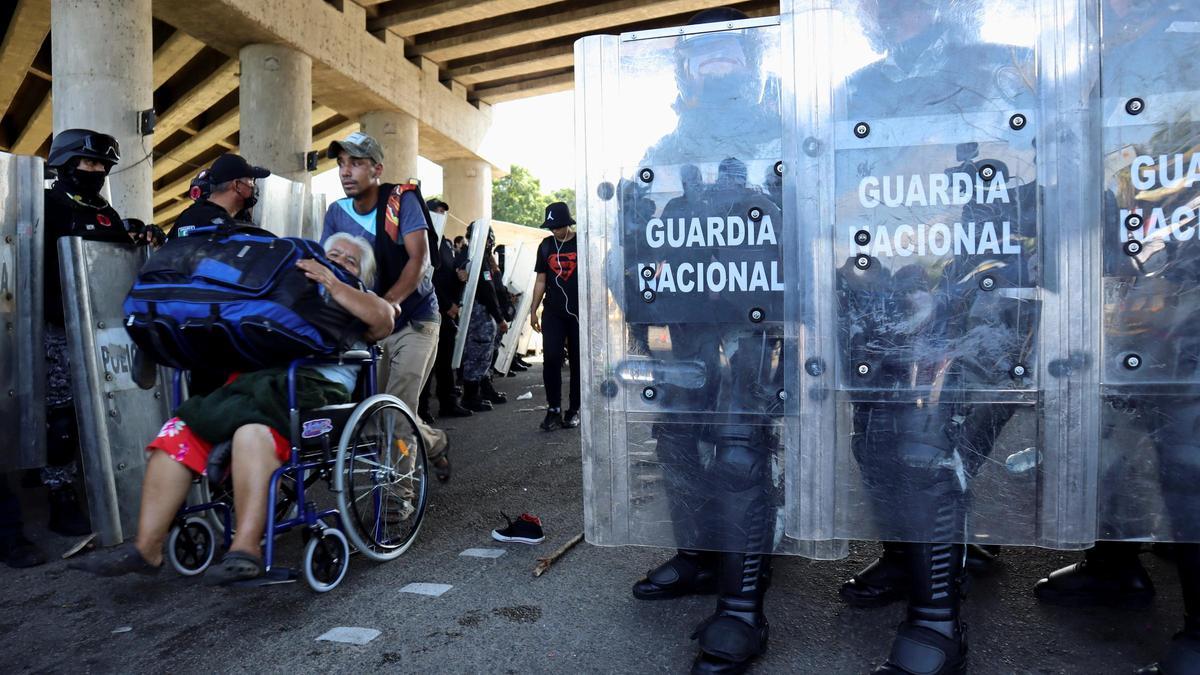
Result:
[{"x": 357, "y": 144}]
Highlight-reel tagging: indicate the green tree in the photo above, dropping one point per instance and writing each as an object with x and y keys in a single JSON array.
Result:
[
  {"x": 566, "y": 195},
  {"x": 517, "y": 198}
]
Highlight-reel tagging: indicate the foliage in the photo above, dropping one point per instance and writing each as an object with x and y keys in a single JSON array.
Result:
[{"x": 518, "y": 198}]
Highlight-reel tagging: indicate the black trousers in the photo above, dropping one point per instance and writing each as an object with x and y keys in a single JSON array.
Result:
[
  {"x": 10, "y": 510},
  {"x": 558, "y": 331}
]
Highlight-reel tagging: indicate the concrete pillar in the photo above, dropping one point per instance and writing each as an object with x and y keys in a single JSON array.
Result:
[
  {"x": 275, "y": 96},
  {"x": 467, "y": 188},
  {"x": 103, "y": 76},
  {"x": 397, "y": 133}
]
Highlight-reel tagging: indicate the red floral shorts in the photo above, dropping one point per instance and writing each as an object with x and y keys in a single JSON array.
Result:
[{"x": 185, "y": 447}]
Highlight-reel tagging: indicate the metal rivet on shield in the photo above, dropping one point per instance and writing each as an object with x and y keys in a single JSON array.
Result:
[
  {"x": 757, "y": 315},
  {"x": 987, "y": 172},
  {"x": 1017, "y": 122},
  {"x": 1132, "y": 361},
  {"x": 863, "y": 369},
  {"x": 100, "y": 324},
  {"x": 1018, "y": 371},
  {"x": 112, "y": 413},
  {"x": 779, "y": 165},
  {"x": 862, "y": 129},
  {"x": 648, "y": 295},
  {"x": 1132, "y": 247},
  {"x": 1133, "y": 222},
  {"x": 649, "y": 393},
  {"x": 1135, "y": 106},
  {"x": 647, "y": 272},
  {"x": 755, "y": 214},
  {"x": 605, "y": 191},
  {"x": 646, "y": 175},
  {"x": 987, "y": 283},
  {"x": 812, "y": 147},
  {"x": 814, "y": 367},
  {"x": 782, "y": 395},
  {"x": 122, "y": 466},
  {"x": 862, "y": 237},
  {"x": 862, "y": 262}
]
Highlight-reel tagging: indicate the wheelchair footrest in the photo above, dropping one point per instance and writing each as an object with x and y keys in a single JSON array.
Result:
[{"x": 276, "y": 575}]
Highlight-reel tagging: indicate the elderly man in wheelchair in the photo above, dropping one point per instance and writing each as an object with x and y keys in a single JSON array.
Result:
[{"x": 266, "y": 421}]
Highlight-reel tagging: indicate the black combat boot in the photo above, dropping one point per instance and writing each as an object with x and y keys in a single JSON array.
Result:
[
  {"x": 885, "y": 579},
  {"x": 66, "y": 516},
  {"x": 1110, "y": 574},
  {"x": 932, "y": 640},
  {"x": 737, "y": 633},
  {"x": 686, "y": 573},
  {"x": 882, "y": 582},
  {"x": 472, "y": 400},
  {"x": 1183, "y": 654},
  {"x": 489, "y": 393}
]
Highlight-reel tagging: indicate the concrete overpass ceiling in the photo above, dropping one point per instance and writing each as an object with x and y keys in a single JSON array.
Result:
[{"x": 459, "y": 51}]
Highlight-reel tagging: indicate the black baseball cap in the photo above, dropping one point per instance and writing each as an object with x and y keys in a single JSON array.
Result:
[
  {"x": 232, "y": 167},
  {"x": 558, "y": 215}
]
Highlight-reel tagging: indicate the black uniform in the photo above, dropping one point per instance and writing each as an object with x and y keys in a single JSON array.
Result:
[{"x": 68, "y": 213}]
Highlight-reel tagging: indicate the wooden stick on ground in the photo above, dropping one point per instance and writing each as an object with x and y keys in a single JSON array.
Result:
[{"x": 544, "y": 564}]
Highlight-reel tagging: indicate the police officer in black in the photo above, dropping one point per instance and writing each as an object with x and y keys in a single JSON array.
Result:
[
  {"x": 231, "y": 194},
  {"x": 81, "y": 160}
]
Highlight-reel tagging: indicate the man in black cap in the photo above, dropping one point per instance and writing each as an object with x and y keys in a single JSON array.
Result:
[
  {"x": 559, "y": 324},
  {"x": 233, "y": 191}
]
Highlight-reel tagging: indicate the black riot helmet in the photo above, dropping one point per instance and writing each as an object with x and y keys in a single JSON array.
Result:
[
  {"x": 74, "y": 144},
  {"x": 718, "y": 67}
]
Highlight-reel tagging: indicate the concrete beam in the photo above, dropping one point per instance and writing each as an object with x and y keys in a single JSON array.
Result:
[
  {"x": 212, "y": 134},
  {"x": 198, "y": 99},
  {"x": 430, "y": 16},
  {"x": 27, "y": 31},
  {"x": 515, "y": 65},
  {"x": 353, "y": 73},
  {"x": 527, "y": 88},
  {"x": 583, "y": 18},
  {"x": 37, "y": 130},
  {"x": 173, "y": 55}
]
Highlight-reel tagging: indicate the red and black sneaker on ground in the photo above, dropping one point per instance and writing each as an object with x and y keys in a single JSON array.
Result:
[{"x": 524, "y": 530}]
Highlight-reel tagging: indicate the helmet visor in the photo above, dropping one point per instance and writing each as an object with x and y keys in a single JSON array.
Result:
[
  {"x": 103, "y": 146},
  {"x": 714, "y": 55}
]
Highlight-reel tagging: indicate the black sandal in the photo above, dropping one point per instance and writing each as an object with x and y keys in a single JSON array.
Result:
[{"x": 235, "y": 566}]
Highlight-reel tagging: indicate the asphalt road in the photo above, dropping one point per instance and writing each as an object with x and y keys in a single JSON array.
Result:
[{"x": 498, "y": 618}]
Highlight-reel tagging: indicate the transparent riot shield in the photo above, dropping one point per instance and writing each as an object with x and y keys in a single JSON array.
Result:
[
  {"x": 519, "y": 278},
  {"x": 22, "y": 355},
  {"x": 116, "y": 418},
  {"x": 476, "y": 248},
  {"x": 315, "y": 219},
  {"x": 1151, "y": 263},
  {"x": 283, "y": 207},
  {"x": 943, "y": 398},
  {"x": 688, "y": 414}
]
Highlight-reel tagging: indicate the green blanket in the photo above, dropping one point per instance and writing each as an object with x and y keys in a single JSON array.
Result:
[{"x": 260, "y": 397}]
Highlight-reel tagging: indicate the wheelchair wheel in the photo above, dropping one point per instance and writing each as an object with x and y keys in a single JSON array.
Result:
[
  {"x": 191, "y": 546},
  {"x": 380, "y": 478},
  {"x": 326, "y": 559}
]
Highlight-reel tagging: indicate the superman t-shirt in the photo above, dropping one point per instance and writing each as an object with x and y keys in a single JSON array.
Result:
[{"x": 559, "y": 261}]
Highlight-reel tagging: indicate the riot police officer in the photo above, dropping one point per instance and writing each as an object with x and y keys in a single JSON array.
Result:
[
  {"x": 225, "y": 199},
  {"x": 1151, "y": 266},
  {"x": 918, "y": 329},
  {"x": 722, "y": 511},
  {"x": 81, "y": 160}
]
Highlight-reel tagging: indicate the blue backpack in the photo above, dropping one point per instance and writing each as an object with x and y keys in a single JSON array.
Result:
[{"x": 236, "y": 301}]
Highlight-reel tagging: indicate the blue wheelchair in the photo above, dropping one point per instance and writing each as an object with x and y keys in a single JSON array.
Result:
[{"x": 368, "y": 452}]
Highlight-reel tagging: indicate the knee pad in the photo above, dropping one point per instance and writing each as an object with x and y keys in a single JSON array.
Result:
[{"x": 739, "y": 467}]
